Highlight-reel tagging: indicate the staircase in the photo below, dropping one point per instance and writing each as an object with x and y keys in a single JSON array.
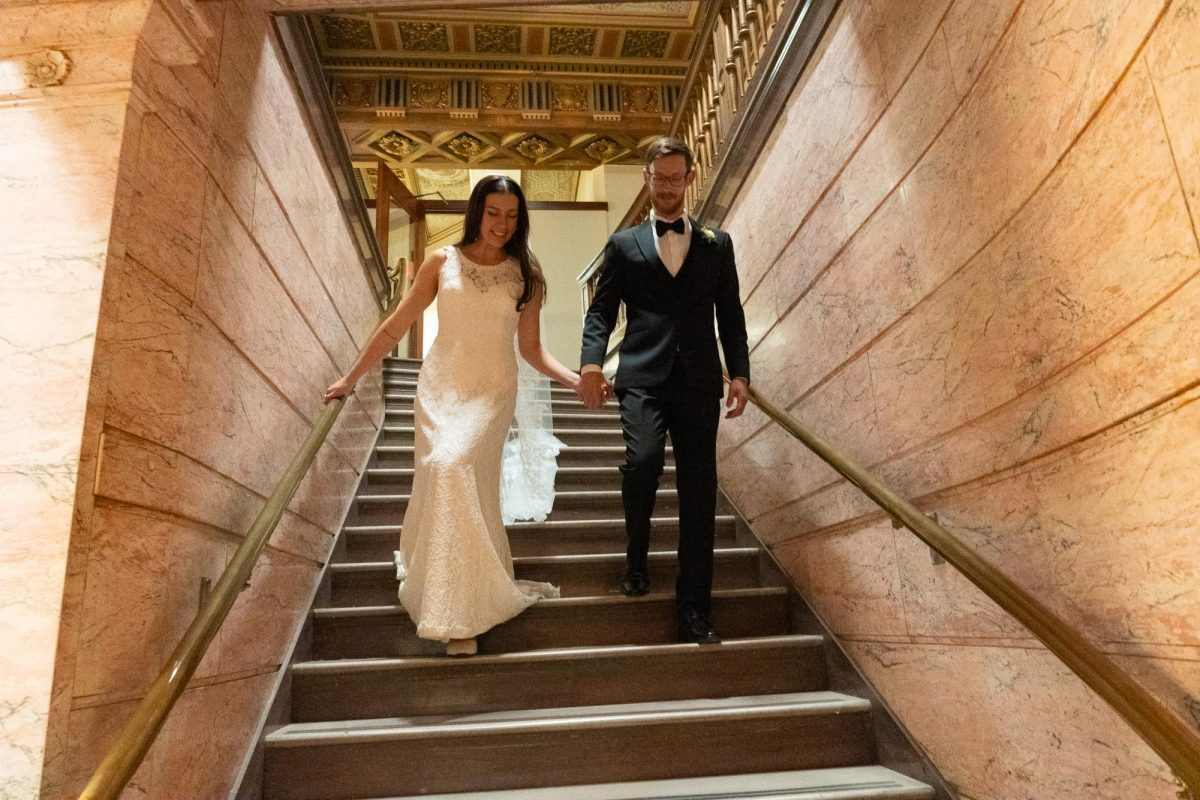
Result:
[{"x": 587, "y": 696}]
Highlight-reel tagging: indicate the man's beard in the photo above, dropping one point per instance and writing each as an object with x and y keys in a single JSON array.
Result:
[{"x": 669, "y": 205}]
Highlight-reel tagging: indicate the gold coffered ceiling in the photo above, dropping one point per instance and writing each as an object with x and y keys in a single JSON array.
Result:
[{"x": 565, "y": 86}]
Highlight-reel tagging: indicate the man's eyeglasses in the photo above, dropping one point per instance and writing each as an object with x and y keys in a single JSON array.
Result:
[{"x": 669, "y": 180}]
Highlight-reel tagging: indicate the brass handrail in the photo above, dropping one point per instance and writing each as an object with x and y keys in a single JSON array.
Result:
[
  {"x": 126, "y": 753},
  {"x": 1174, "y": 742}
]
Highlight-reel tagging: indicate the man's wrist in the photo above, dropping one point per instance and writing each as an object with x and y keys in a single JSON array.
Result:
[{"x": 586, "y": 368}]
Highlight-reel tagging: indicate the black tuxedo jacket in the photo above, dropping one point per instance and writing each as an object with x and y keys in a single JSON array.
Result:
[{"x": 669, "y": 318}]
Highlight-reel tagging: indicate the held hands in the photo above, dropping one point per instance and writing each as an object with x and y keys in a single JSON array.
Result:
[
  {"x": 341, "y": 388},
  {"x": 594, "y": 390},
  {"x": 739, "y": 393}
]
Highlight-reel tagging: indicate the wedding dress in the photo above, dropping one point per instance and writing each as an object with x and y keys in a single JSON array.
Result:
[{"x": 454, "y": 563}]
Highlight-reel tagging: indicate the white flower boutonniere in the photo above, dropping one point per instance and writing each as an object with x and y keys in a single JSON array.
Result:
[{"x": 708, "y": 234}]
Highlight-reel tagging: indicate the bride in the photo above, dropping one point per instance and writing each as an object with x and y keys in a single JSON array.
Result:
[{"x": 454, "y": 562}]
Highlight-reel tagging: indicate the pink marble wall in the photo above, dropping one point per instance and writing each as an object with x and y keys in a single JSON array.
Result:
[
  {"x": 988, "y": 290},
  {"x": 177, "y": 297}
]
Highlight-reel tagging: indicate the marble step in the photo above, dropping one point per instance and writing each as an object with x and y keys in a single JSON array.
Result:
[
  {"x": 393, "y": 687},
  {"x": 407, "y": 381},
  {"x": 839, "y": 783},
  {"x": 578, "y": 456},
  {"x": 565, "y": 411},
  {"x": 366, "y": 583},
  {"x": 387, "y": 632},
  {"x": 382, "y": 509},
  {"x": 602, "y": 534},
  {"x": 571, "y": 435},
  {"x": 399, "y": 479},
  {"x": 579, "y": 744}
]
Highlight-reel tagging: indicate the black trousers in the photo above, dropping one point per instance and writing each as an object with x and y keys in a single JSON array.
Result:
[{"x": 648, "y": 415}]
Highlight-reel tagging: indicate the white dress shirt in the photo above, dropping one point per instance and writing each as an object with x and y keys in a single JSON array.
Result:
[{"x": 672, "y": 248}]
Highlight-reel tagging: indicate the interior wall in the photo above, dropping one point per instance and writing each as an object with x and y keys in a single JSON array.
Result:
[
  {"x": 206, "y": 260},
  {"x": 969, "y": 258},
  {"x": 565, "y": 242},
  {"x": 59, "y": 149}
]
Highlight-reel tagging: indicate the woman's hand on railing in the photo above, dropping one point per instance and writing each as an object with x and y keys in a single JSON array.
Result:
[{"x": 341, "y": 388}]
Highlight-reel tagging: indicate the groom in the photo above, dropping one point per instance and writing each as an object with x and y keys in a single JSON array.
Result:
[{"x": 671, "y": 273}]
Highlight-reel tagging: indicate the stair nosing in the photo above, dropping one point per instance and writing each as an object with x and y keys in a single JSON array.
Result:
[
  {"x": 338, "y": 666},
  {"x": 566, "y": 558},
  {"x": 589, "y": 718},
  {"x": 550, "y": 523},
  {"x": 832, "y": 783},
  {"x": 580, "y": 494},
  {"x": 350, "y": 612}
]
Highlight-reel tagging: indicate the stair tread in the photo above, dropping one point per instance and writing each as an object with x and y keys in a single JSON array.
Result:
[
  {"x": 578, "y": 494},
  {"x": 499, "y": 722},
  {"x": 558, "y": 602},
  {"x": 839, "y": 783},
  {"x": 576, "y": 558},
  {"x": 588, "y": 652},
  {"x": 550, "y": 523}
]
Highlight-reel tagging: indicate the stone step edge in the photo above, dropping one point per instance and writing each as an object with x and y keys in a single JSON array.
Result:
[
  {"x": 570, "y": 558},
  {"x": 578, "y": 494},
  {"x": 838, "y": 783},
  {"x": 603, "y": 472},
  {"x": 558, "y": 429},
  {"x": 345, "y": 666},
  {"x": 554, "y": 524},
  {"x": 562, "y": 720},
  {"x": 350, "y": 612},
  {"x": 578, "y": 449}
]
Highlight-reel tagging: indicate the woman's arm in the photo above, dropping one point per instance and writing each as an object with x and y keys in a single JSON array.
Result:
[
  {"x": 529, "y": 341},
  {"x": 420, "y": 295}
]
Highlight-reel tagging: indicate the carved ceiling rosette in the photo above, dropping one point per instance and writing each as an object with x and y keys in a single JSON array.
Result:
[
  {"x": 534, "y": 147},
  {"x": 47, "y": 68},
  {"x": 639, "y": 99},
  {"x": 603, "y": 149},
  {"x": 501, "y": 96},
  {"x": 347, "y": 33},
  {"x": 466, "y": 146},
  {"x": 645, "y": 44},
  {"x": 429, "y": 94},
  {"x": 354, "y": 92},
  {"x": 396, "y": 144},
  {"x": 424, "y": 36},
  {"x": 570, "y": 97},
  {"x": 572, "y": 41},
  {"x": 497, "y": 39}
]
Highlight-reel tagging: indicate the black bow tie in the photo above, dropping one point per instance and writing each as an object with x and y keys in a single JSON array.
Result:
[{"x": 661, "y": 227}]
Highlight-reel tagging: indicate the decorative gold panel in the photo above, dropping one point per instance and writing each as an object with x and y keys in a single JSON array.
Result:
[
  {"x": 466, "y": 145},
  {"x": 424, "y": 36},
  {"x": 498, "y": 39},
  {"x": 346, "y": 33},
  {"x": 534, "y": 147},
  {"x": 572, "y": 41},
  {"x": 639, "y": 99},
  {"x": 429, "y": 94},
  {"x": 645, "y": 44},
  {"x": 396, "y": 144},
  {"x": 603, "y": 149},
  {"x": 501, "y": 96},
  {"x": 354, "y": 92},
  {"x": 570, "y": 97}
]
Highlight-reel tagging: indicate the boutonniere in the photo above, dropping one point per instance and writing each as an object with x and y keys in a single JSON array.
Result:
[{"x": 708, "y": 234}]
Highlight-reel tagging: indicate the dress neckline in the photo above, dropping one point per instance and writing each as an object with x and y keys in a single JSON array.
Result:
[{"x": 462, "y": 255}]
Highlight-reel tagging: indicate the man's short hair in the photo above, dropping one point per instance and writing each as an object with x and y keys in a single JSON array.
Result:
[{"x": 669, "y": 146}]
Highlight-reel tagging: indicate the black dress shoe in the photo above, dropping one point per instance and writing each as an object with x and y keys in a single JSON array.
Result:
[
  {"x": 694, "y": 628},
  {"x": 635, "y": 583}
]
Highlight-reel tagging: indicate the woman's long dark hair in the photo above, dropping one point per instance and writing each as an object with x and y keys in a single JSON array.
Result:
[{"x": 518, "y": 245}]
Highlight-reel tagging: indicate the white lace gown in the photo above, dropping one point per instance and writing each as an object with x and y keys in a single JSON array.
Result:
[{"x": 454, "y": 563}]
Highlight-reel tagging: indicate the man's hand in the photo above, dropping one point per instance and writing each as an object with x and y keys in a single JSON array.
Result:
[
  {"x": 594, "y": 390},
  {"x": 739, "y": 393}
]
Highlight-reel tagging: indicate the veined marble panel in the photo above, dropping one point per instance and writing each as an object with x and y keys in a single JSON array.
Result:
[
  {"x": 1036, "y": 731},
  {"x": 1174, "y": 60}
]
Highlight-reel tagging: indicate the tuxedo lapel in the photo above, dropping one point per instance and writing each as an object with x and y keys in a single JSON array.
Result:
[{"x": 644, "y": 236}]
